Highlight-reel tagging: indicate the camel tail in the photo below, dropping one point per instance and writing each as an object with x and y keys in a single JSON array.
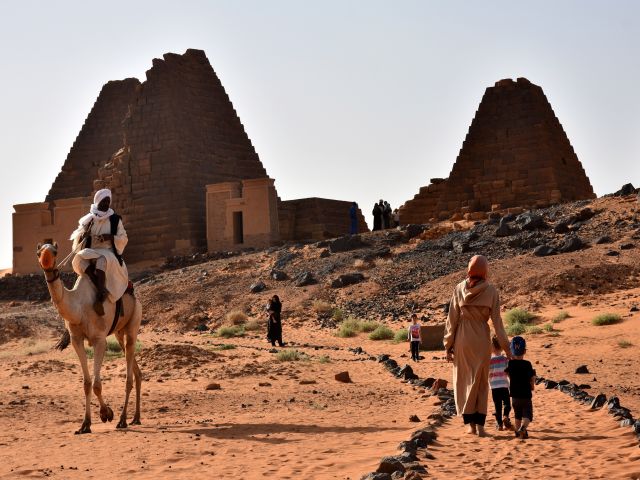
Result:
[{"x": 64, "y": 341}]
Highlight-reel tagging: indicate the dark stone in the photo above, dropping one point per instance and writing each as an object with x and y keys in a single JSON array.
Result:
[
  {"x": 636, "y": 426},
  {"x": 613, "y": 403},
  {"x": 564, "y": 382},
  {"x": 413, "y": 230},
  {"x": 304, "y": 279},
  {"x": 283, "y": 259},
  {"x": 278, "y": 275},
  {"x": 550, "y": 384},
  {"x": 343, "y": 377},
  {"x": 544, "y": 251},
  {"x": 508, "y": 218},
  {"x": 582, "y": 369},
  {"x": 347, "y": 279},
  {"x": 627, "y": 422},
  {"x": 584, "y": 386},
  {"x": 612, "y": 253},
  {"x": 383, "y": 357},
  {"x": 377, "y": 476},
  {"x": 572, "y": 243},
  {"x": 563, "y": 225},
  {"x": 424, "y": 437},
  {"x": 634, "y": 308},
  {"x": 627, "y": 189},
  {"x": 584, "y": 215},
  {"x": 427, "y": 382},
  {"x": 325, "y": 253},
  {"x": 390, "y": 465},
  {"x": 627, "y": 246},
  {"x": 257, "y": 287},
  {"x": 406, "y": 372},
  {"x": 603, "y": 239},
  {"x": 460, "y": 246},
  {"x": 414, "y": 418},
  {"x": 346, "y": 243},
  {"x": 505, "y": 230},
  {"x": 531, "y": 221}
]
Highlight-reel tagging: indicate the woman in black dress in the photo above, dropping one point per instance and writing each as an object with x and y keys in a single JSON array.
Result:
[{"x": 274, "y": 325}]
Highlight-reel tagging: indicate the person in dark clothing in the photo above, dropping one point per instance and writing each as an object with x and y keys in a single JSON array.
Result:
[
  {"x": 274, "y": 324},
  {"x": 353, "y": 216},
  {"x": 522, "y": 378},
  {"x": 377, "y": 216}
]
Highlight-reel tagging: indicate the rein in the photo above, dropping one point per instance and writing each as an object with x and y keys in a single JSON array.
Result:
[{"x": 56, "y": 274}]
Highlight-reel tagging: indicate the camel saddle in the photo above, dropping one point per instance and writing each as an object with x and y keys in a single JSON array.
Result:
[{"x": 119, "y": 305}]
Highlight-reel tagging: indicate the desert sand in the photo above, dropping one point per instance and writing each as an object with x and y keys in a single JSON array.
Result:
[{"x": 292, "y": 419}]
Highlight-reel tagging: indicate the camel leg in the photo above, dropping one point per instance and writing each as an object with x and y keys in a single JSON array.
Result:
[
  {"x": 78, "y": 346},
  {"x": 99, "y": 348},
  {"x": 129, "y": 350},
  {"x": 137, "y": 373}
]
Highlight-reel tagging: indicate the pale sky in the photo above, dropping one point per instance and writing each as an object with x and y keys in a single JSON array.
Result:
[{"x": 354, "y": 100}]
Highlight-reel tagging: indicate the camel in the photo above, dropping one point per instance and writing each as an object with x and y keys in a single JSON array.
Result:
[{"x": 76, "y": 308}]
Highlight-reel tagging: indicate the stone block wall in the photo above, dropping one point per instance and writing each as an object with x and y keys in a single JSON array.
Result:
[
  {"x": 516, "y": 153},
  {"x": 316, "y": 219}
]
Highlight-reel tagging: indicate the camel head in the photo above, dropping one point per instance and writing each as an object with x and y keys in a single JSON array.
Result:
[{"x": 46, "y": 254}]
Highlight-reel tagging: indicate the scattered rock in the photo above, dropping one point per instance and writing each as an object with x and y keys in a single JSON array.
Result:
[
  {"x": 347, "y": 279},
  {"x": 325, "y": 253},
  {"x": 257, "y": 287},
  {"x": 213, "y": 386},
  {"x": 563, "y": 225},
  {"x": 544, "y": 251},
  {"x": 377, "y": 476},
  {"x": 612, "y": 253},
  {"x": 572, "y": 243},
  {"x": 264, "y": 384},
  {"x": 413, "y": 230},
  {"x": 304, "y": 279},
  {"x": 531, "y": 221},
  {"x": 603, "y": 239},
  {"x": 414, "y": 418},
  {"x": 550, "y": 384},
  {"x": 505, "y": 230},
  {"x": 582, "y": 369},
  {"x": 627, "y": 189},
  {"x": 346, "y": 243},
  {"x": 406, "y": 373},
  {"x": 279, "y": 275},
  {"x": 584, "y": 215},
  {"x": 307, "y": 382},
  {"x": 627, "y": 246},
  {"x": 438, "y": 384},
  {"x": 390, "y": 465},
  {"x": 343, "y": 377}
]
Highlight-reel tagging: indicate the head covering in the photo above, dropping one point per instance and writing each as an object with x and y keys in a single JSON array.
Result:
[
  {"x": 478, "y": 267},
  {"x": 518, "y": 346},
  {"x": 101, "y": 195}
]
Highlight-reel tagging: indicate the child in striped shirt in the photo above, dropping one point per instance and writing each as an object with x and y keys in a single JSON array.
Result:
[{"x": 499, "y": 383}]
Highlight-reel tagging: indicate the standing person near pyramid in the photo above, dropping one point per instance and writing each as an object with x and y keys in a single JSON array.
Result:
[
  {"x": 468, "y": 344},
  {"x": 104, "y": 239}
]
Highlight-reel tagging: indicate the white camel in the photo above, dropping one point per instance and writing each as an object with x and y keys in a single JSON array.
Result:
[{"x": 76, "y": 308}]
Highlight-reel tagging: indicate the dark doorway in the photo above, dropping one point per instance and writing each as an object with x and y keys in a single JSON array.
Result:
[{"x": 238, "y": 236}]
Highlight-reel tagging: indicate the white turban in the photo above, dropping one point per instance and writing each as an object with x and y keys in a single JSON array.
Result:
[{"x": 101, "y": 195}]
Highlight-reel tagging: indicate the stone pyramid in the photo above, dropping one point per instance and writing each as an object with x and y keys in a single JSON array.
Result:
[
  {"x": 516, "y": 154},
  {"x": 99, "y": 138},
  {"x": 180, "y": 133}
]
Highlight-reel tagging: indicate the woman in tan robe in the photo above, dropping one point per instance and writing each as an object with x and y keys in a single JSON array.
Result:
[{"x": 468, "y": 344}]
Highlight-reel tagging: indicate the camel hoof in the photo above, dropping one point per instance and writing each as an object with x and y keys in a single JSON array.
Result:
[
  {"x": 106, "y": 414},
  {"x": 136, "y": 421},
  {"x": 83, "y": 429},
  {"x": 122, "y": 424}
]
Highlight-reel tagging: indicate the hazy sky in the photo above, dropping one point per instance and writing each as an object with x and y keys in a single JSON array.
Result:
[{"x": 355, "y": 100}]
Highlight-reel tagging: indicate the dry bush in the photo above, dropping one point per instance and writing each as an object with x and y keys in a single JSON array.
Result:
[
  {"x": 320, "y": 306},
  {"x": 236, "y": 317}
]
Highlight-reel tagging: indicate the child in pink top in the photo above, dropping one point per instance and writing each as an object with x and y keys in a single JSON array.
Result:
[
  {"x": 415, "y": 338},
  {"x": 499, "y": 382}
]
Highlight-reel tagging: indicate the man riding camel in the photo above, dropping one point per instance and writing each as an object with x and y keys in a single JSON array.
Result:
[{"x": 103, "y": 238}]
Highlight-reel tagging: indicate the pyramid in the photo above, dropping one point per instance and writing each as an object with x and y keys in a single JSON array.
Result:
[
  {"x": 100, "y": 136},
  {"x": 180, "y": 134},
  {"x": 516, "y": 154}
]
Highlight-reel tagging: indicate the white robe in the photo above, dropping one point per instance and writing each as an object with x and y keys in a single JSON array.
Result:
[{"x": 117, "y": 276}]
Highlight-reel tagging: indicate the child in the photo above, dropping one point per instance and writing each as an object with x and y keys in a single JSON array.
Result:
[
  {"x": 415, "y": 338},
  {"x": 499, "y": 383},
  {"x": 522, "y": 377}
]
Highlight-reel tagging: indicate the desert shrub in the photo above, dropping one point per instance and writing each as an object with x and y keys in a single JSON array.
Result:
[
  {"x": 367, "y": 326},
  {"x": 324, "y": 359},
  {"x": 401, "y": 335},
  {"x": 515, "y": 329},
  {"x": 337, "y": 314},
  {"x": 548, "y": 327},
  {"x": 252, "y": 326},
  {"x": 533, "y": 330},
  {"x": 230, "y": 332},
  {"x": 113, "y": 349},
  {"x": 518, "y": 315},
  {"x": 290, "y": 355},
  {"x": 346, "y": 330},
  {"x": 562, "y": 315},
  {"x": 606, "y": 319},
  {"x": 236, "y": 317},
  {"x": 320, "y": 306},
  {"x": 625, "y": 344},
  {"x": 381, "y": 333}
]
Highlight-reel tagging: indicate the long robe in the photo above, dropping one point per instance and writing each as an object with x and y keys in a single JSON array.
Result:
[
  {"x": 117, "y": 276},
  {"x": 467, "y": 333}
]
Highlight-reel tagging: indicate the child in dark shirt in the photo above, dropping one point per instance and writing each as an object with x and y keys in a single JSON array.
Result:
[{"x": 522, "y": 378}]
